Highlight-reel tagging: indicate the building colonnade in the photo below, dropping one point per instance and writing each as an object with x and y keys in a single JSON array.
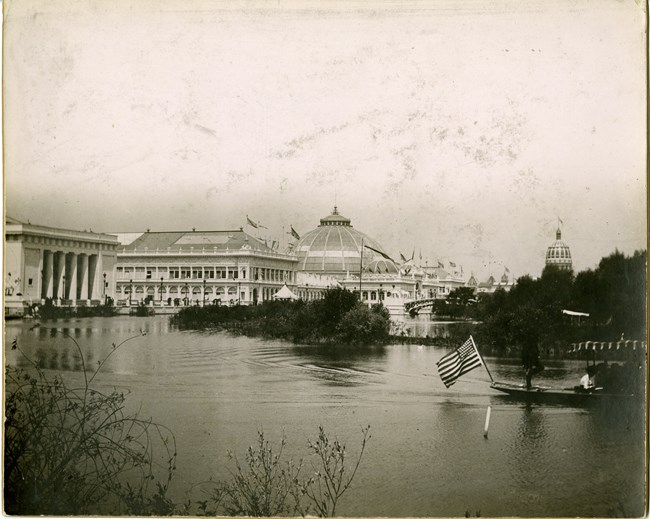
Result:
[{"x": 72, "y": 277}]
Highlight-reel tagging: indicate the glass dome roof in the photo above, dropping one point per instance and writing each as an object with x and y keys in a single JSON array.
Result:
[
  {"x": 558, "y": 254},
  {"x": 334, "y": 248}
]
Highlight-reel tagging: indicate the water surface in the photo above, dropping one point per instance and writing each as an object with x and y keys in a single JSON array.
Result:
[{"x": 427, "y": 455}]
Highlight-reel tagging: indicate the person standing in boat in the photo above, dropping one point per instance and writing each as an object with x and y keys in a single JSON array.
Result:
[
  {"x": 525, "y": 329},
  {"x": 530, "y": 360}
]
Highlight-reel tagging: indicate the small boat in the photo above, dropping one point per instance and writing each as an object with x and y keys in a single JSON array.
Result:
[
  {"x": 620, "y": 385},
  {"x": 615, "y": 384},
  {"x": 566, "y": 396}
]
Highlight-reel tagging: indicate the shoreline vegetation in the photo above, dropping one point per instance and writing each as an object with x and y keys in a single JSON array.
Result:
[{"x": 530, "y": 317}]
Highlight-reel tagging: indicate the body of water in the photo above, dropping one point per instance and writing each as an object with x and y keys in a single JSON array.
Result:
[{"x": 427, "y": 455}]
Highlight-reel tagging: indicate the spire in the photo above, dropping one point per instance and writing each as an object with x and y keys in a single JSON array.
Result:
[{"x": 558, "y": 234}]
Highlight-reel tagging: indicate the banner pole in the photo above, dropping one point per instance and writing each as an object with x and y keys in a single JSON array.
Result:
[{"x": 481, "y": 357}]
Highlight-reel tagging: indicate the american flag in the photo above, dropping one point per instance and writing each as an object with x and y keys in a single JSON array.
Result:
[{"x": 459, "y": 362}]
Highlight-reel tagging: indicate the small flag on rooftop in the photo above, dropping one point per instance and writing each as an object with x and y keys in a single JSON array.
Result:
[
  {"x": 459, "y": 362},
  {"x": 257, "y": 225},
  {"x": 294, "y": 233}
]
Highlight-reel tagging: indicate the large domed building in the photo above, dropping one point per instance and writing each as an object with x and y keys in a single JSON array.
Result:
[
  {"x": 334, "y": 248},
  {"x": 558, "y": 254}
]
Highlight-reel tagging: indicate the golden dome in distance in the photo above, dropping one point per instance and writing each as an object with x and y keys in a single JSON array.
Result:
[{"x": 558, "y": 254}]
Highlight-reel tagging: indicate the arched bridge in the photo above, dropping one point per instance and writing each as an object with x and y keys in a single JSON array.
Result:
[{"x": 414, "y": 307}]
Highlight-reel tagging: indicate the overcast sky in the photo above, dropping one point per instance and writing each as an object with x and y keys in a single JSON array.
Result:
[{"x": 452, "y": 127}]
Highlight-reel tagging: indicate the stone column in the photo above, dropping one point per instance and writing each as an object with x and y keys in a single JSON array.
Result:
[
  {"x": 93, "y": 281},
  {"x": 82, "y": 276},
  {"x": 48, "y": 273},
  {"x": 71, "y": 277},
  {"x": 59, "y": 272}
]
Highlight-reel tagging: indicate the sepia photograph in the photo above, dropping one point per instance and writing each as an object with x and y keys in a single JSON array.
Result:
[{"x": 367, "y": 258}]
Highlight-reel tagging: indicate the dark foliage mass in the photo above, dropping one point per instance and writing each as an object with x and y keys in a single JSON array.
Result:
[
  {"x": 338, "y": 317},
  {"x": 614, "y": 296},
  {"x": 49, "y": 310}
]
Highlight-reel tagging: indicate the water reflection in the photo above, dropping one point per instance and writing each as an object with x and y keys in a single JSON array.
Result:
[
  {"x": 424, "y": 326},
  {"x": 54, "y": 359}
]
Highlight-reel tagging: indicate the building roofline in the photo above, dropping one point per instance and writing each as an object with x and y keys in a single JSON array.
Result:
[{"x": 58, "y": 232}]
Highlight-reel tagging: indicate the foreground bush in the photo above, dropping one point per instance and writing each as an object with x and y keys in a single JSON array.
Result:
[
  {"x": 75, "y": 450},
  {"x": 266, "y": 485}
]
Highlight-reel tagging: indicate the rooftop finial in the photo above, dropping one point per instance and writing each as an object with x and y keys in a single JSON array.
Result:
[{"x": 336, "y": 211}]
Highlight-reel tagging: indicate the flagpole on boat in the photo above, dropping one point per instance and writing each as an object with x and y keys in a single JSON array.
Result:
[{"x": 481, "y": 357}]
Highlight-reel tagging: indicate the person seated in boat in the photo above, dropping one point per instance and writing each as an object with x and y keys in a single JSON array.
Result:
[{"x": 587, "y": 380}]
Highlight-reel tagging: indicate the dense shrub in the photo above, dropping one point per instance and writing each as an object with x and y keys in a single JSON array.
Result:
[
  {"x": 338, "y": 317},
  {"x": 49, "y": 310},
  {"x": 142, "y": 310}
]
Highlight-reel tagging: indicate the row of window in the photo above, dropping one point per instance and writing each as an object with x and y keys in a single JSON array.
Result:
[
  {"x": 558, "y": 254},
  {"x": 257, "y": 273}
]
